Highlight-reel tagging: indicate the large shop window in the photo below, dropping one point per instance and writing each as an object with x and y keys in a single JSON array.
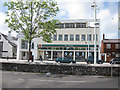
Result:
[
  {"x": 57, "y": 54},
  {"x": 47, "y": 55},
  {"x": 68, "y": 54}
]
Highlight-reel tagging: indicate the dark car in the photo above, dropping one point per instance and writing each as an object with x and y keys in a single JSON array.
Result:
[
  {"x": 90, "y": 60},
  {"x": 115, "y": 61},
  {"x": 64, "y": 60}
]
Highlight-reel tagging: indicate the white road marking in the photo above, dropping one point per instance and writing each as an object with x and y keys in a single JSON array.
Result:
[{"x": 54, "y": 81}]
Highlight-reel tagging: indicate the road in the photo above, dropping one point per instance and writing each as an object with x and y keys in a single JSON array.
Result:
[{"x": 37, "y": 80}]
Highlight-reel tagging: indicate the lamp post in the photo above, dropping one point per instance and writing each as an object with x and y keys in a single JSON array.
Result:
[
  {"x": 94, "y": 6},
  {"x": 88, "y": 40}
]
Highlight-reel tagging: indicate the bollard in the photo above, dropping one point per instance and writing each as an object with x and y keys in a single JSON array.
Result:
[{"x": 111, "y": 71}]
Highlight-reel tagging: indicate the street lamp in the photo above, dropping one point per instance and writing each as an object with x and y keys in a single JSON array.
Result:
[
  {"x": 88, "y": 40},
  {"x": 94, "y": 6}
]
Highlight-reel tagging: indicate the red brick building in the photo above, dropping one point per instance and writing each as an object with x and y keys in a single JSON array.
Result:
[{"x": 110, "y": 48}]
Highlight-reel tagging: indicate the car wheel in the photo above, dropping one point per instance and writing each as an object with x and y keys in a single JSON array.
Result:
[
  {"x": 88, "y": 62},
  {"x": 74, "y": 62},
  {"x": 100, "y": 62}
]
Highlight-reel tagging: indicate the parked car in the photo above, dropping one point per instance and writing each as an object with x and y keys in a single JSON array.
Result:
[
  {"x": 90, "y": 60},
  {"x": 64, "y": 60},
  {"x": 115, "y": 61}
]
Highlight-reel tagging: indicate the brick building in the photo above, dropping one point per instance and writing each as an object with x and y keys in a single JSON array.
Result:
[{"x": 110, "y": 48}]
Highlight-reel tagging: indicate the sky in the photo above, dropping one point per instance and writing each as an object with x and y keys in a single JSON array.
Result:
[{"x": 107, "y": 12}]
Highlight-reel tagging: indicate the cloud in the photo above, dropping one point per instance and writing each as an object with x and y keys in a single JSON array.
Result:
[
  {"x": 3, "y": 27},
  {"x": 81, "y": 9},
  {"x": 108, "y": 15},
  {"x": 109, "y": 24}
]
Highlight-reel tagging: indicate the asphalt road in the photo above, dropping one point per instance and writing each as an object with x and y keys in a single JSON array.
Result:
[{"x": 37, "y": 80}]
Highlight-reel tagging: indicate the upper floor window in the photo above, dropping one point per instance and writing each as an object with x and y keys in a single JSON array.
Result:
[
  {"x": 60, "y": 37},
  {"x": 54, "y": 37},
  {"x": 61, "y": 25},
  {"x": 108, "y": 46},
  {"x": 71, "y": 37},
  {"x": 24, "y": 44},
  {"x": 77, "y": 37},
  {"x": 69, "y": 25},
  {"x": 117, "y": 46},
  {"x": 80, "y": 25},
  {"x": 83, "y": 38},
  {"x": 89, "y": 37},
  {"x": 65, "y": 37},
  {"x": 96, "y": 37}
]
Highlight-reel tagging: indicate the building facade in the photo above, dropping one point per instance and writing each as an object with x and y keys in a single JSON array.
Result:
[
  {"x": 8, "y": 46},
  {"x": 71, "y": 40},
  {"x": 110, "y": 48}
]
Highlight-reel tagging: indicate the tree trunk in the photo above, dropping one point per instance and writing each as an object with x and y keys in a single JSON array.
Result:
[{"x": 29, "y": 51}]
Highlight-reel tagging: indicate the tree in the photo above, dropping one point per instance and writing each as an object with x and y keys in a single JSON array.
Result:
[{"x": 32, "y": 18}]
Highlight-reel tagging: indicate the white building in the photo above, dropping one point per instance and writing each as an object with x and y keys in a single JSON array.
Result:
[
  {"x": 8, "y": 46},
  {"x": 71, "y": 41}
]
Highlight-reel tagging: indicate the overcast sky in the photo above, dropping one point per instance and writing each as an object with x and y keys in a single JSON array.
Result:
[{"x": 81, "y": 9}]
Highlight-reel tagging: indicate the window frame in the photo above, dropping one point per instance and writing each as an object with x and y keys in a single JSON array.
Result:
[
  {"x": 60, "y": 35},
  {"x": 65, "y": 37}
]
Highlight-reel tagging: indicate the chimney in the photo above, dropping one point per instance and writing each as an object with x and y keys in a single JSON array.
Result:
[
  {"x": 103, "y": 36},
  {"x": 9, "y": 35}
]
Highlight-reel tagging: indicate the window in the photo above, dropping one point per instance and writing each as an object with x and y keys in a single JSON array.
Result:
[
  {"x": 60, "y": 25},
  {"x": 77, "y": 37},
  {"x": 71, "y": 37},
  {"x": 24, "y": 44},
  {"x": 69, "y": 25},
  {"x": 66, "y": 37},
  {"x": 33, "y": 45},
  {"x": 54, "y": 37},
  {"x": 96, "y": 37},
  {"x": 108, "y": 46},
  {"x": 89, "y": 37},
  {"x": 60, "y": 37},
  {"x": 0, "y": 37},
  {"x": 80, "y": 25},
  {"x": 117, "y": 46},
  {"x": 83, "y": 37}
]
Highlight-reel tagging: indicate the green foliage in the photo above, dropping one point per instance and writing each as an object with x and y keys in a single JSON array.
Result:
[{"x": 32, "y": 18}]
